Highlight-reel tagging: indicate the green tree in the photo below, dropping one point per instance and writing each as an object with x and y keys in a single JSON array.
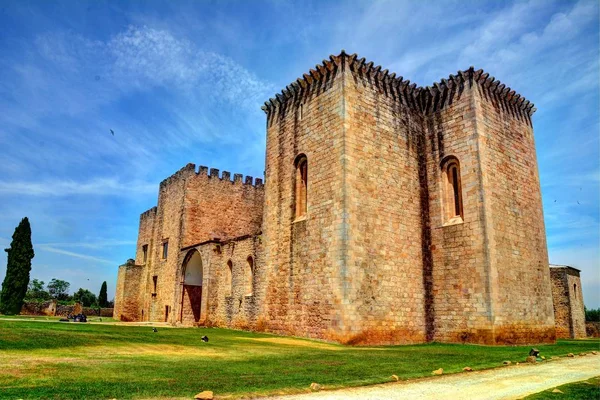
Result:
[
  {"x": 36, "y": 291},
  {"x": 59, "y": 289},
  {"x": 103, "y": 297},
  {"x": 18, "y": 267},
  {"x": 85, "y": 297},
  {"x": 592, "y": 315}
]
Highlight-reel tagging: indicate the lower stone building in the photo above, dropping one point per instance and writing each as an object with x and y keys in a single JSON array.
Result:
[
  {"x": 390, "y": 213},
  {"x": 569, "y": 311}
]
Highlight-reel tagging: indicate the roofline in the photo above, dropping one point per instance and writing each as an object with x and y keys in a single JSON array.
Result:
[
  {"x": 564, "y": 266},
  {"x": 423, "y": 96}
]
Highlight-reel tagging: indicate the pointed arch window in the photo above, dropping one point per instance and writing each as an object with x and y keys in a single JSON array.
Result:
[
  {"x": 249, "y": 275},
  {"x": 228, "y": 284},
  {"x": 301, "y": 185},
  {"x": 452, "y": 190}
]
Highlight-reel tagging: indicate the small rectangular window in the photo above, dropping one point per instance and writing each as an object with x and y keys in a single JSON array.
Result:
[
  {"x": 155, "y": 281},
  {"x": 165, "y": 249},
  {"x": 145, "y": 253}
]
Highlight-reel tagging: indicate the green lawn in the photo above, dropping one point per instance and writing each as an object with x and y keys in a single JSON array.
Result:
[
  {"x": 103, "y": 361},
  {"x": 585, "y": 390}
]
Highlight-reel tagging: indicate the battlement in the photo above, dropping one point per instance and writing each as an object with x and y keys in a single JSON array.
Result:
[
  {"x": 187, "y": 170},
  {"x": 423, "y": 99},
  {"x": 302, "y": 86},
  {"x": 151, "y": 213},
  {"x": 440, "y": 94},
  {"x": 211, "y": 173}
]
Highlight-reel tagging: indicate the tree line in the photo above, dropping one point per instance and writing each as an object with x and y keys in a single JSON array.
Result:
[
  {"x": 16, "y": 287},
  {"x": 592, "y": 314},
  {"x": 58, "y": 289}
]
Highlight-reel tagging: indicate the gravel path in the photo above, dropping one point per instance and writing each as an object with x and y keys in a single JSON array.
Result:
[{"x": 512, "y": 382}]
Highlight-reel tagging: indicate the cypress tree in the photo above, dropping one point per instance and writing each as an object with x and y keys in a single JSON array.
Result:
[
  {"x": 102, "y": 297},
  {"x": 18, "y": 267}
]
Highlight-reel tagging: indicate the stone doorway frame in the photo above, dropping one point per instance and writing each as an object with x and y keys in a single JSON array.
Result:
[{"x": 203, "y": 287}]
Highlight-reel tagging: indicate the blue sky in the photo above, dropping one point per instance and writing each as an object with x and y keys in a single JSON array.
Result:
[{"x": 183, "y": 82}]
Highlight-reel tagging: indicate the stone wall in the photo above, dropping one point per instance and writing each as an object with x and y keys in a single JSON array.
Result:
[
  {"x": 306, "y": 257},
  {"x": 569, "y": 312},
  {"x": 68, "y": 309},
  {"x": 457, "y": 268},
  {"x": 230, "y": 296},
  {"x": 592, "y": 329},
  {"x": 219, "y": 208},
  {"x": 51, "y": 308},
  {"x": 39, "y": 308},
  {"x": 98, "y": 312},
  {"x": 383, "y": 267},
  {"x": 519, "y": 268}
]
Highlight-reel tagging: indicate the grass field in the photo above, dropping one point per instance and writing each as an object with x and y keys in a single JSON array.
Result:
[
  {"x": 103, "y": 361},
  {"x": 585, "y": 390}
]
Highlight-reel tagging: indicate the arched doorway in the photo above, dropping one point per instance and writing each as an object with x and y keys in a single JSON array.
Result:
[{"x": 192, "y": 278}]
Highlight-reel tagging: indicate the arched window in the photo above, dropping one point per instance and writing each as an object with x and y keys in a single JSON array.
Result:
[
  {"x": 453, "y": 191},
  {"x": 301, "y": 185},
  {"x": 249, "y": 275},
  {"x": 228, "y": 284},
  {"x": 193, "y": 271}
]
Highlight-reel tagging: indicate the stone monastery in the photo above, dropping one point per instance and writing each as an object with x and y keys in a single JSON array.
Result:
[{"x": 390, "y": 213}]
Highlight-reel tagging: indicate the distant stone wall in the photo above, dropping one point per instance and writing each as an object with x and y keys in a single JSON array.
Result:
[
  {"x": 51, "y": 308},
  {"x": 65, "y": 310},
  {"x": 592, "y": 329},
  {"x": 39, "y": 308},
  {"x": 99, "y": 312}
]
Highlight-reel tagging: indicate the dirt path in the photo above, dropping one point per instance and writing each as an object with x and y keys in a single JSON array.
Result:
[{"x": 512, "y": 382}]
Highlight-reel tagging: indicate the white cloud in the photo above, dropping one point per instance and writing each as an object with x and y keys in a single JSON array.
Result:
[
  {"x": 96, "y": 186},
  {"x": 140, "y": 58},
  {"x": 76, "y": 255},
  {"x": 89, "y": 243}
]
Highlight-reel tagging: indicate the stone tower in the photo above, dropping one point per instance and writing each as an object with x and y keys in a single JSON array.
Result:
[
  {"x": 569, "y": 311},
  {"x": 423, "y": 219}
]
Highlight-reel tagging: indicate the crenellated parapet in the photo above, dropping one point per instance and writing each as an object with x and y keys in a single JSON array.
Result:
[
  {"x": 423, "y": 99},
  {"x": 441, "y": 94},
  {"x": 305, "y": 86},
  {"x": 214, "y": 173},
  {"x": 183, "y": 172},
  {"x": 151, "y": 213},
  {"x": 211, "y": 173}
]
